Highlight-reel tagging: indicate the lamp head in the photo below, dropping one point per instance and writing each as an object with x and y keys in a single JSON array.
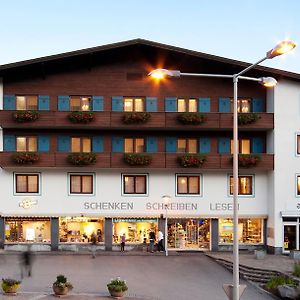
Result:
[
  {"x": 282, "y": 48},
  {"x": 166, "y": 199},
  {"x": 268, "y": 81},
  {"x": 163, "y": 73}
]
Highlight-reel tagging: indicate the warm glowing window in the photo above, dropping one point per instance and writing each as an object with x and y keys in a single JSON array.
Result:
[
  {"x": 134, "y": 145},
  {"x": 81, "y": 184},
  {"x": 244, "y": 146},
  {"x": 81, "y": 144},
  {"x": 134, "y": 104},
  {"x": 187, "y": 184},
  {"x": 26, "y": 143},
  {"x": 298, "y": 185},
  {"x": 80, "y": 103},
  {"x": 26, "y": 102},
  {"x": 26, "y": 183},
  {"x": 243, "y": 105},
  {"x": 187, "y": 105},
  {"x": 187, "y": 145},
  {"x": 134, "y": 184},
  {"x": 298, "y": 144},
  {"x": 245, "y": 185}
]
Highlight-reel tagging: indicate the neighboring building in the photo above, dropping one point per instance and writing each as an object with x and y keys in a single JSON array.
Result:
[{"x": 56, "y": 198}]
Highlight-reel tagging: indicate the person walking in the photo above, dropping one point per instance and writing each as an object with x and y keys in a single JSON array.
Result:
[
  {"x": 152, "y": 240},
  {"x": 26, "y": 263},
  {"x": 93, "y": 245},
  {"x": 123, "y": 239},
  {"x": 160, "y": 241}
]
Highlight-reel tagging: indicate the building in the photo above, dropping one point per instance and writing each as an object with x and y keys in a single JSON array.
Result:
[{"x": 89, "y": 144}]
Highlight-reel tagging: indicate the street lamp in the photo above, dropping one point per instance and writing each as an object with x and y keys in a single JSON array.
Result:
[
  {"x": 234, "y": 291},
  {"x": 167, "y": 200}
]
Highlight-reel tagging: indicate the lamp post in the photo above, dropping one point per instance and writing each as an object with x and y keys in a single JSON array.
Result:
[
  {"x": 167, "y": 200},
  {"x": 233, "y": 291}
]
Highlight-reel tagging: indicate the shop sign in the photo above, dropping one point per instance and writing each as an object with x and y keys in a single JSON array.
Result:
[
  {"x": 222, "y": 206},
  {"x": 27, "y": 203},
  {"x": 134, "y": 220},
  {"x": 171, "y": 206},
  {"x": 108, "y": 205}
]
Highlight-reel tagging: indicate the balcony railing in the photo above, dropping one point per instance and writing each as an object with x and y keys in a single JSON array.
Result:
[
  {"x": 159, "y": 120},
  {"x": 109, "y": 160}
]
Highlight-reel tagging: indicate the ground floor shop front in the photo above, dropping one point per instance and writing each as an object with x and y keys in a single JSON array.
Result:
[{"x": 74, "y": 233}]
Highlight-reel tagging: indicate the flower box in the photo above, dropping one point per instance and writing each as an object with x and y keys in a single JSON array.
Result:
[
  {"x": 247, "y": 118},
  {"x": 191, "y": 160},
  {"x": 82, "y": 117},
  {"x": 10, "y": 286},
  {"x": 136, "y": 118},
  {"x": 25, "y": 157},
  {"x": 117, "y": 287},
  {"x": 191, "y": 118},
  {"x": 82, "y": 158},
  {"x": 248, "y": 160},
  {"x": 23, "y": 116},
  {"x": 136, "y": 159}
]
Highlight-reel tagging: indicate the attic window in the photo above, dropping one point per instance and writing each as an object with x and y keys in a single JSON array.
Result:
[{"x": 135, "y": 76}]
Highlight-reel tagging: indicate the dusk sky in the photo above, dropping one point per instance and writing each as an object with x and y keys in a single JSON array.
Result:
[{"x": 238, "y": 29}]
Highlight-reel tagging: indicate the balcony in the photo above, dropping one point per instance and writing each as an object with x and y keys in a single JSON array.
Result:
[
  {"x": 108, "y": 160},
  {"x": 113, "y": 120}
]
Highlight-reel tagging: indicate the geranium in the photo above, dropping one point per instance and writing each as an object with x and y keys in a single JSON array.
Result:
[
  {"x": 117, "y": 285},
  {"x": 247, "y": 118},
  {"x": 136, "y": 118},
  {"x": 136, "y": 159},
  {"x": 81, "y": 117},
  {"x": 25, "y": 116},
  {"x": 191, "y": 118},
  {"x": 82, "y": 158},
  {"x": 248, "y": 160},
  {"x": 25, "y": 157},
  {"x": 191, "y": 160}
]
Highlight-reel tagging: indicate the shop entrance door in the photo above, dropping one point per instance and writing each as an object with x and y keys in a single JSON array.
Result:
[{"x": 290, "y": 237}]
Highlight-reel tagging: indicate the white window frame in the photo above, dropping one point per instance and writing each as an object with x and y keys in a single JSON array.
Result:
[
  {"x": 189, "y": 174},
  {"x": 82, "y": 174},
  {"x": 242, "y": 195},
  {"x": 27, "y": 173},
  {"x": 134, "y": 174}
]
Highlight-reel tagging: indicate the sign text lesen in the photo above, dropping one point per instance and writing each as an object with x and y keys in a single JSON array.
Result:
[{"x": 221, "y": 206}]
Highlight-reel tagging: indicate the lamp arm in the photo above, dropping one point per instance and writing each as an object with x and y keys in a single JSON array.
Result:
[{"x": 250, "y": 67}]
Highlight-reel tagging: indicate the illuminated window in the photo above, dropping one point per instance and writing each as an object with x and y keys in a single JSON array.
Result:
[
  {"x": 26, "y": 143},
  {"x": 244, "y": 146},
  {"x": 134, "y": 145},
  {"x": 134, "y": 184},
  {"x": 298, "y": 144},
  {"x": 81, "y": 144},
  {"x": 187, "y": 105},
  {"x": 80, "y": 103},
  {"x": 81, "y": 184},
  {"x": 188, "y": 184},
  {"x": 187, "y": 145},
  {"x": 243, "y": 105},
  {"x": 298, "y": 185},
  {"x": 134, "y": 104},
  {"x": 26, "y": 102},
  {"x": 245, "y": 185},
  {"x": 27, "y": 183}
]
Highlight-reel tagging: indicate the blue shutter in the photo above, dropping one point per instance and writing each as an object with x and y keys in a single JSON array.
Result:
[
  {"x": 97, "y": 144},
  {"x": 9, "y": 102},
  {"x": 171, "y": 144},
  {"x": 204, "y": 105},
  {"x": 97, "y": 103},
  {"x": 43, "y": 143},
  {"x": 258, "y": 105},
  {"x": 170, "y": 104},
  {"x": 44, "y": 102},
  {"x": 151, "y": 144},
  {"x": 63, "y": 103},
  {"x": 117, "y": 103},
  {"x": 204, "y": 145},
  {"x": 9, "y": 143},
  {"x": 224, "y": 105},
  {"x": 224, "y": 146},
  {"x": 117, "y": 144},
  {"x": 63, "y": 143},
  {"x": 151, "y": 104},
  {"x": 257, "y": 145}
]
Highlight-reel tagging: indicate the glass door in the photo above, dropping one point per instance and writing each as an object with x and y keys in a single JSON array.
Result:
[
  {"x": 204, "y": 233},
  {"x": 191, "y": 234},
  {"x": 289, "y": 237}
]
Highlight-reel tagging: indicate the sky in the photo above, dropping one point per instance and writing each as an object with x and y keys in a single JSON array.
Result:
[{"x": 238, "y": 29}]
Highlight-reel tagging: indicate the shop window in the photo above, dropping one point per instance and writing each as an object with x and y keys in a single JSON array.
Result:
[
  {"x": 81, "y": 184},
  {"x": 245, "y": 185},
  {"x": 27, "y": 183},
  {"x": 80, "y": 103},
  {"x": 298, "y": 185},
  {"x": 31, "y": 230},
  {"x": 26, "y": 102},
  {"x": 187, "y": 145},
  {"x": 249, "y": 231},
  {"x": 244, "y": 146},
  {"x": 243, "y": 105},
  {"x": 81, "y": 144},
  {"x": 187, "y": 105},
  {"x": 80, "y": 229},
  {"x": 136, "y": 230},
  {"x": 26, "y": 143},
  {"x": 132, "y": 104},
  {"x": 134, "y": 145},
  {"x": 135, "y": 184},
  {"x": 188, "y": 185}
]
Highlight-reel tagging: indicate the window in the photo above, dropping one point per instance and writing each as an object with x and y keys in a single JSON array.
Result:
[
  {"x": 26, "y": 143},
  {"x": 298, "y": 185},
  {"x": 245, "y": 185},
  {"x": 243, "y": 105},
  {"x": 81, "y": 184},
  {"x": 134, "y": 145},
  {"x": 27, "y": 183},
  {"x": 298, "y": 144},
  {"x": 187, "y": 105},
  {"x": 134, "y": 184},
  {"x": 134, "y": 104},
  {"x": 188, "y": 184},
  {"x": 80, "y": 103},
  {"x": 244, "y": 146},
  {"x": 26, "y": 102},
  {"x": 187, "y": 145},
  {"x": 81, "y": 144}
]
